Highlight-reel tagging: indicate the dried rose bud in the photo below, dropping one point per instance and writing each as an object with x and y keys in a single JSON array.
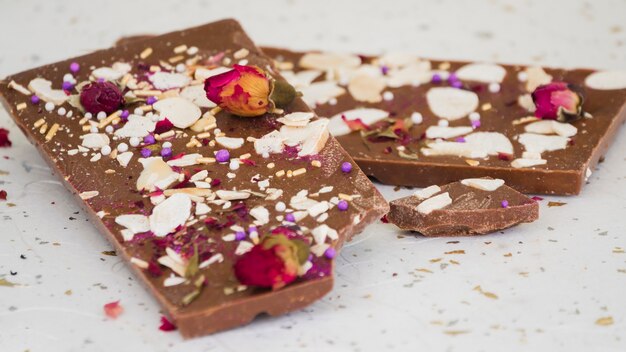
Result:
[
  {"x": 248, "y": 91},
  {"x": 558, "y": 101},
  {"x": 274, "y": 262},
  {"x": 101, "y": 96}
]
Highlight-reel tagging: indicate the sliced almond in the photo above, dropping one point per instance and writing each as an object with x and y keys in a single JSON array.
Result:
[
  {"x": 311, "y": 138},
  {"x": 155, "y": 174},
  {"x": 541, "y": 143},
  {"x": 196, "y": 94},
  {"x": 137, "y": 126},
  {"x": 185, "y": 160},
  {"x": 320, "y": 92},
  {"x": 95, "y": 140},
  {"x": 338, "y": 127},
  {"x": 329, "y": 61},
  {"x": 270, "y": 143},
  {"x": 446, "y": 132},
  {"x": 169, "y": 214},
  {"x": 437, "y": 202},
  {"x": 451, "y": 103},
  {"x": 43, "y": 89},
  {"x": 302, "y": 78},
  {"x": 230, "y": 142},
  {"x": 481, "y": 72},
  {"x": 521, "y": 162},
  {"x": 484, "y": 184},
  {"x": 166, "y": 80},
  {"x": 536, "y": 76},
  {"x": 551, "y": 127},
  {"x": 427, "y": 192},
  {"x": 181, "y": 112},
  {"x": 607, "y": 80},
  {"x": 366, "y": 88},
  {"x": 232, "y": 195}
]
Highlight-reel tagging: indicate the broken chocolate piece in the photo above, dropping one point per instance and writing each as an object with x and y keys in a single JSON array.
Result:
[
  {"x": 468, "y": 119},
  {"x": 469, "y": 207},
  {"x": 179, "y": 187}
]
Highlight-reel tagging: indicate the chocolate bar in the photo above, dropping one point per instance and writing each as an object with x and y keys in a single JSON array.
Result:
[
  {"x": 416, "y": 122},
  {"x": 221, "y": 217},
  {"x": 476, "y": 206}
]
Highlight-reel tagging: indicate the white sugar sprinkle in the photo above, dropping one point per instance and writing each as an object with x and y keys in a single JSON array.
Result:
[
  {"x": 49, "y": 106},
  {"x": 494, "y": 87},
  {"x": 122, "y": 147},
  {"x": 280, "y": 206},
  {"x": 417, "y": 118},
  {"x": 134, "y": 141},
  {"x": 106, "y": 150}
]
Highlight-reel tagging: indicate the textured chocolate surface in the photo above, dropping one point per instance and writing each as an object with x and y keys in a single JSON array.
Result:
[
  {"x": 107, "y": 188},
  {"x": 472, "y": 211},
  {"x": 564, "y": 172}
]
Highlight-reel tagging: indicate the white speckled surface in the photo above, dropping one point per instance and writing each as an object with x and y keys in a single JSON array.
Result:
[{"x": 553, "y": 278}]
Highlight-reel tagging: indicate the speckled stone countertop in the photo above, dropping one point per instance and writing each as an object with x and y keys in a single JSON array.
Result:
[{"x": 556, "y": 284}]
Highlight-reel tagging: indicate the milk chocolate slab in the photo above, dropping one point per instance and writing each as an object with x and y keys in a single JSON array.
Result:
[
  {"x": 410, "y": 92},
  {"x": 152, "y": 182},
  {"x": 464, "y": 208}
]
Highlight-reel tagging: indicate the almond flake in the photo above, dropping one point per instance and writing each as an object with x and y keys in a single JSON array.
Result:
[
  {"x": 167, "y": 80},
  {"x": 181, "y": 112},
  {"x": 124, "y": 158},
  {"x": 607, "y": 80},
  {"x": 320, "y": 92},
  {"x": 230, "y": 142},
  {"x": 338, "y": 127},
  {"x": 155, "y": 174},
  {"x": 261, "y": 214},
  {"x": 202, "y": 74},
  {"x": 311, "y": 138},
  {"x": 451, "y": 103},
  {"x": 135, "y": 223},
  {"x": 302, "y": 78},
  {"x": 185, "y": 160},
  {"x": 296, "y": 119},
  {"x": 232, "y": 195},
  {"x": 444, "y": 132},
  {"x": 437, "y": 202},
  {"x": 427, "y": 192},
  {"x": 215, "y": 258},
  {"x": 540, "y": 143},
  {"x": 43, "y": 89},
  {"x": 535, "y": 77},
  {"x": 521, "y": 162},
  {"x": 483, "y": 183},
  {"x": 329, "y": 61},
  {"x": 170, "y": 214},
  {"x": 551, "y": 127},
  {"x": 88, "y": 195},
  {"x": 366, "y": 88},
  {"x": 95, "y": 140},
  {"x": 196, "y": 94},
  {"x": 481, "y": 72}
]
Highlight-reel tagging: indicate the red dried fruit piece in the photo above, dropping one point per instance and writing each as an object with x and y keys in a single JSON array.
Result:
[
  {"x": 166, "y": 325},
  {"x": 113, "y": 309},
  {"x": 101, "y": 96},
  {"x": 4, "y": 138},
  {"x": 3, "y": 195}
]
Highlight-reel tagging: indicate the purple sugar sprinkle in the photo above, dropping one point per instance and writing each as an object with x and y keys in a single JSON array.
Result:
[
  {"x": 384, "y": 69},
  {"x": 74, "y": 67},
  {"x": 453, "y": 78},
  {"x": 346, "y": 167},
  {"x": 124, "y": 115},
  {"x": 34, "y": 99},
  {"x": 252, "y": 229},
  {"x": 456, "y": 84},
  {"x": 436, "y": 78},
  {"x": 342, "y": 205},
  {"x": 222, "y": 156},
  {"x": 145, "y": 152},
  {"x": 240, "y": 235},
  {"x": 151, "y": 100},
  {"x": 476, "y": 124},
  {"x": 166, "y": 152},
  {"x": 289, "y": 217},
  {"x": 67, "y": 86},
  {"x": 505, "y": 203},
  {"x": 149, "y": 139},
  {"x": 460, "y": 139},
  {"x": 330, "y": 253}
]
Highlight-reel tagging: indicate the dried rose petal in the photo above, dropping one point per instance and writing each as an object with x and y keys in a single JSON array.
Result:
[
  {"x": 113, "y": 309},
  {"x": 558, "y": 101},
  {"x": 4, "y": 138},
  {"x": 163, "y": 126},
  {"x": 166, "y": 325},
  {"x": 355, "y": 124},
  {"x": 101, "y": 96},
  {"x": 3, "y": 195}
]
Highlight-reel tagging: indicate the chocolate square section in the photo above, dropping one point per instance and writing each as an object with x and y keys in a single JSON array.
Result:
[
  {"x": 464, "y": 208},
  {"x": 424, "y": 122},
  {"x": 149, "y": 174}
]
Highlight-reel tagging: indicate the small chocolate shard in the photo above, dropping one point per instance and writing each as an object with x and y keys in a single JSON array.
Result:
[{"x": 478, "y": 207}]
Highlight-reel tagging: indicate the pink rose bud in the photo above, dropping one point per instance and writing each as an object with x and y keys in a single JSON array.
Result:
[
  {"x": 558, "y": 101},
  {"x": 248, "y": 91}
]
